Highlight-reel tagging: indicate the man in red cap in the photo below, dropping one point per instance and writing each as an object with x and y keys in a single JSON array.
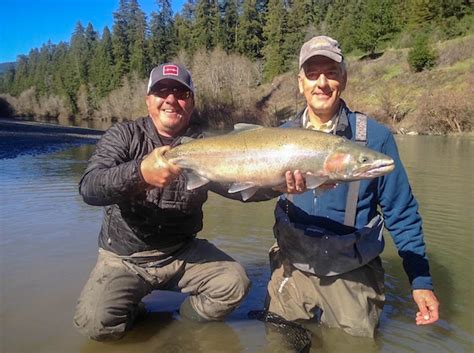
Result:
[{"x": 148, "y": 236}]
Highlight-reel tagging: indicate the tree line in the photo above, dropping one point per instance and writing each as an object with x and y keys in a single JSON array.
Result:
[{"x": 262, "y": 35}]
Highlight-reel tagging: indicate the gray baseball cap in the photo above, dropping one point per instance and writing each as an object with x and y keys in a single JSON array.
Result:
[
  {"x": 170, "y": 71},
  {"x": 321, "y": 45}
]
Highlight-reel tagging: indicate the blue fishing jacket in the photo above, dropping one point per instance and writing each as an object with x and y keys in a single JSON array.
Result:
[{"x": 392, "y": 193}]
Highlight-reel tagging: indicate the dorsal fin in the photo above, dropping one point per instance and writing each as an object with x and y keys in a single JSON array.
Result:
[
  {"x": 244, "y": 126},
  {"x": 186, "y": 139}
]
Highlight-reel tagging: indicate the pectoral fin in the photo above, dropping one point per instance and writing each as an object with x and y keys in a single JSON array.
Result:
[
  {"x": 246, "y": 189},
  {"x": 194, "y": 181},
  {"x": 313, "y": 181}
]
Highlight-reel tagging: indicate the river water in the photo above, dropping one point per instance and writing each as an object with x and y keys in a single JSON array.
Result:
[{"x": 48, "y": 246}]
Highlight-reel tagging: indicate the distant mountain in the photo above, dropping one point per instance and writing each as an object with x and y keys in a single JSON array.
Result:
[{"x": 5, "y": 66}]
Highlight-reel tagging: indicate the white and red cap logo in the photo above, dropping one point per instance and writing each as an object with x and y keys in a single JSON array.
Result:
[{"x": 170, "y": 70}]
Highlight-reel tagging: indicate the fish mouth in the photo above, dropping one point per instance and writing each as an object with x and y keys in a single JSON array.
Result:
[{"x": 379, "y": 169}]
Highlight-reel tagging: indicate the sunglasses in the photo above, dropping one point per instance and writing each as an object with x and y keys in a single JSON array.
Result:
[{"x": 177, "y": 92}]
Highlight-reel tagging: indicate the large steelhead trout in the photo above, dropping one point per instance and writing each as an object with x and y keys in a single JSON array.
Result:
[{"x": 253, "y": 157}]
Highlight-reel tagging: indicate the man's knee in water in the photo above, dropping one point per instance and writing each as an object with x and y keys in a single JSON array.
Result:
[{"x": 102, "y": 325}]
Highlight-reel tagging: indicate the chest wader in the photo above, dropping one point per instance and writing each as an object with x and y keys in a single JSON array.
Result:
[{"x": 323, "y": 252}]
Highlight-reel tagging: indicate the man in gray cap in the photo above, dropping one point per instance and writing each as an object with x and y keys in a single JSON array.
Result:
[
  {"x": 326, "y": 260},
  {"x": 148, "y": 236}
]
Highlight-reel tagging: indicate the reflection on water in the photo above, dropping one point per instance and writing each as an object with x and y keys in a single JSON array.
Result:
[
  {"x": 48, "y": 246},
  {"x": 98, "y": 124}
]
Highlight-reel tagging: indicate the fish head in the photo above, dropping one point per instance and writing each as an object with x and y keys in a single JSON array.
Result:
[{"x": 350, "y": 161}]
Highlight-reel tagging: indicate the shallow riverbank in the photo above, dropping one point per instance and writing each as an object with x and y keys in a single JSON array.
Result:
[{"x": 19, "y": 137}]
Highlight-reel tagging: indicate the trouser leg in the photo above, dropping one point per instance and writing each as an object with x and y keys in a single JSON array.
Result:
[
  {"x": 290, "y": 292},
  {"x": 216, "y": 282},
  {"x": 352, "y": 301},
  {"x": 108, "y": 304}
]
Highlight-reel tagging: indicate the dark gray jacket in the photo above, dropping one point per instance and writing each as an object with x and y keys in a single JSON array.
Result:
[{"x": 137, "y": 216}]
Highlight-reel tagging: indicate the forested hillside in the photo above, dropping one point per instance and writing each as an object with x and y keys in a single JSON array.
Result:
[{"x": 241, "y": 54}]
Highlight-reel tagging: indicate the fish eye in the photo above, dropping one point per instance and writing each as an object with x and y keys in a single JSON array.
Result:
[{"x": 363, "y": 159}]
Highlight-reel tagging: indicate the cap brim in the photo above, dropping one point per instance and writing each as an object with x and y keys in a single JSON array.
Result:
[
  {"x": 329, "y": 54},
  {"x": 150, "y": 89}
]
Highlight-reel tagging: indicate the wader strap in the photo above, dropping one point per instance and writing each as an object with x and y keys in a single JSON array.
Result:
[{"x": 353, "y": 192}]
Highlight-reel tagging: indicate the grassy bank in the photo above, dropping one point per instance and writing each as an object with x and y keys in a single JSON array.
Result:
[{"x": 439, "y": 101}]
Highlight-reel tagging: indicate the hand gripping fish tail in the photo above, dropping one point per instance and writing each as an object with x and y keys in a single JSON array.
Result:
[{"x": 297, "y": 337}]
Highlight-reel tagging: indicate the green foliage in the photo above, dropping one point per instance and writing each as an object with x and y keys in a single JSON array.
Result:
[
  {"x": 250, "y": 31},
  {"x": 6, "y": 79},
  {"x": 183, "y": 28},
  {"x": 447, "y": 16},
  {"x": 138, "y": 30},
  {"x": 207, "y": 25},
  {"x": 120, "y": 41},
  {"x": 102, "y": 64},
  {"x": 421, "y": 12},
  {"x": 273, "y": 33},
  {"x": 84, "y": 72},
  {"x": 162, "y": 42},
  {"x": 229, "y": 26},
  {"x": 377, "y": 24},
  {"x": 421, "y": 56},
  {"x": 299, "y": 18}
]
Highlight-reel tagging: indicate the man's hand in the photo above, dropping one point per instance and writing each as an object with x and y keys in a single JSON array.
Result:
[
  {"x": 427, "y": 304},
  {"x": 156, "y": 170},
  {"x": 295, "y": 183}
]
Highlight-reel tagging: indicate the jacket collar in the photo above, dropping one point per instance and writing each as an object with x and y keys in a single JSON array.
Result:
[
  {"x": 342, "y": 119},
  {"x": 194, "y": 130}
]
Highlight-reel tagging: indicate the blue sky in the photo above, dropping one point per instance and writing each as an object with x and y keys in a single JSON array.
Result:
[{"x": 27, "y": 24}]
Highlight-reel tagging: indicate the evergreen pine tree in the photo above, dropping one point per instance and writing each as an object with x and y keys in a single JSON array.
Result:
[
  {"x": 78, "y": 54},
  {"x": 137, "y": 33},
  {"x": 206, "y": 25},
  {"x": 250, "y": 31},
  {"x": 162, "y": 40},
  {"x": 20, "y": 82},
  {"x": 216, "y": 17},
  {"x": 273, "y": 33},
  {"x": 120, "y": 41},
  {"x": 300, "y": 17},
  {"x": 102, "y": 65},
  {"x": 229, "y": 26},
  {"x": 43, "y": 79},
  {"x": 183, "y": 25},
  {"x": 378, "y": 24},
  {"x": 447, "y": 15},
  {"x": 318, "y": 11},
  {"x": 421, "y": 13},
  {"x": 76, "y": 68},
  {"x": 7, "y": 79},
  {"x": 421, "y": 56},
  {"x": 92, "y": 40},
  {"x": 334, "y": 16},
  {"x": 59, "y": 66},
  {"x": 33, "y": 60}
]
